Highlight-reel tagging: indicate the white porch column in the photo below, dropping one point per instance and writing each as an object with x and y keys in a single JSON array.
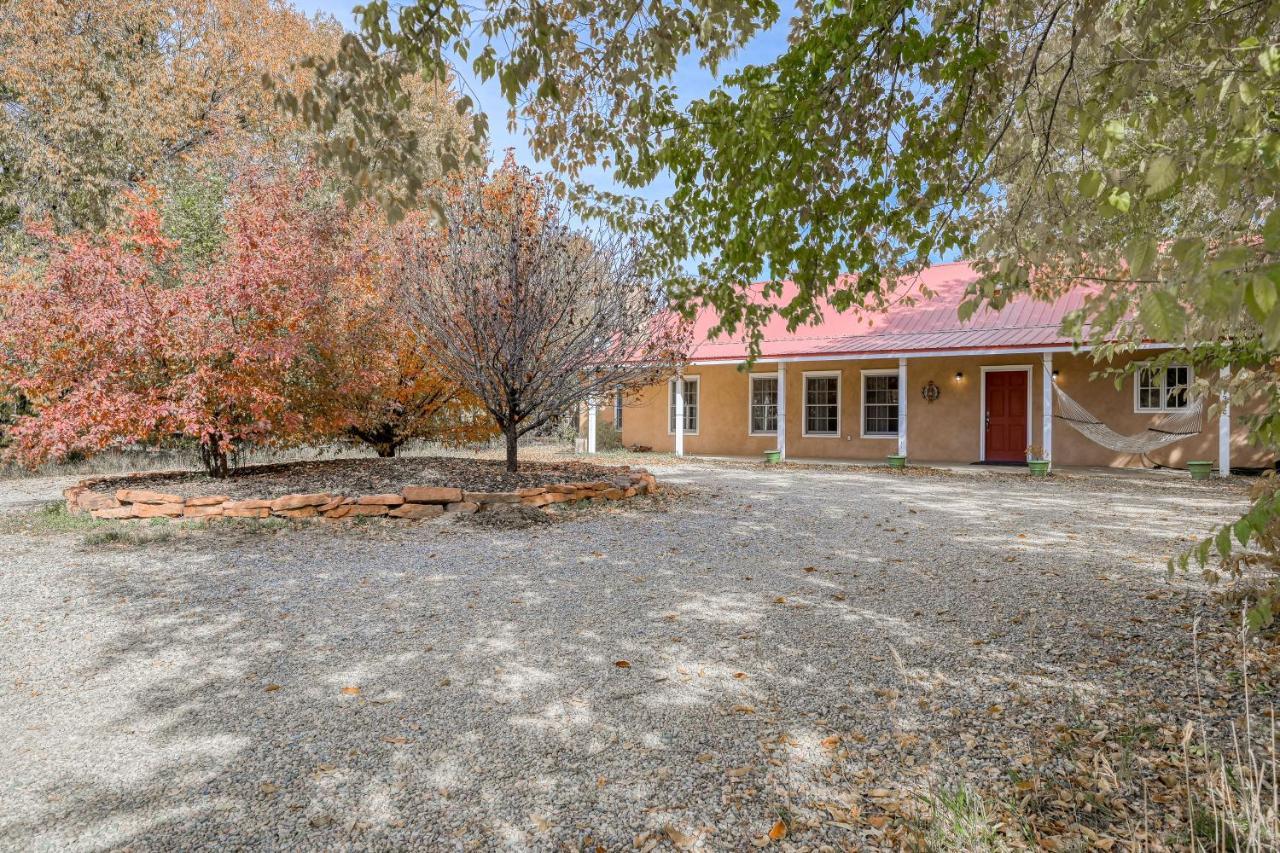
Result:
[
  {"x": 591, "y": 425},
  {"x": 1046, "y": 406},
  {"x": 1224, "y": 428},
  {"x": 782, "y": 410},
  {"x": 679, "y": 392},
  {"x": 902, "y": 407}
]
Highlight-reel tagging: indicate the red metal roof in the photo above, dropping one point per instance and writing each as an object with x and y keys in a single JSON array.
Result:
[{"x": 928, "y": 325}]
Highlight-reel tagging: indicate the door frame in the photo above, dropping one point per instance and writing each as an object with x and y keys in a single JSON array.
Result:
[{"x": 982, "y": 402}]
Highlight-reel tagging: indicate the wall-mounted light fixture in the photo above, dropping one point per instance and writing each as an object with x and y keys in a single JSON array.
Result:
[
  {"x": 1055, "y": 375},
  {"x": 959, "y": 375}
]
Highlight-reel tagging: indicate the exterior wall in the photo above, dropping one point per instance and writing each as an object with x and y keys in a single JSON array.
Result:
[{"x": 950, "y": 429}]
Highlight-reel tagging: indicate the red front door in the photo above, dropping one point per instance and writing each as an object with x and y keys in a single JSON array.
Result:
[{"x": 1006, "y": 416}]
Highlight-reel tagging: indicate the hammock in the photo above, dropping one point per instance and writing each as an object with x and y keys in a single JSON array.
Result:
[{"x": 1165, "y": 430}]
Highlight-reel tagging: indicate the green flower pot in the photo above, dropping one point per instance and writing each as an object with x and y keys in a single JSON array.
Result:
[
  {"x": 1039, "y": 467},
  {"x": 896, "y": 461},
  {"x": 772, "y": 457},
  {"x": 1200, "y": 469}
]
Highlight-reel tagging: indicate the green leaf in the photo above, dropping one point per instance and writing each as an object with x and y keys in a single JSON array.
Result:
[
  {"x": 1243, "y": 530},
  {"x": 1223, "y": 541},
  {"x": 1260, "y": 615},
  {"x": 1269, "y": 60},
  {"x": 1162, "y": 175},
  {"x": 1271, "y": 231},
  {"x": 1260, "y": 296},
  {"x": 1119, "y": 199},
  {"x": 1161, "y": 315},
  {"x": 1141, "y": 255},
  {"x": 1091, "y": 184}
]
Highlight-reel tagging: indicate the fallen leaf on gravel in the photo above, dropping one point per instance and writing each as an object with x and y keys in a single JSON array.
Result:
[
  {"x": 268, "y": 788},
  {"x": 879, "y": 793},
  {"x": 396, "y": 740},
  {"x": 271, "y": 688},
  {"x": 540, "y": 822},
  {"x": 350, "y": 691},
  {"x": 743, "y": 709},
  {"x": 810, "y": 569},
  {"x": 321, "y": 820},
  {"x": 831, "y": 742},
  {"x": 780, "y": 600},
  {"x": 622, "y": 664},
  {"x": 738, "y": 772},
  {"x": 779, "y": 831},
  {"x": 681, "y": 840},
  {"x": 739, "y": 675}
]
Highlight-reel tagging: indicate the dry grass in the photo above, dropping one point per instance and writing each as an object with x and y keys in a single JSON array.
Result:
[{"x": 1114, "y": 782}]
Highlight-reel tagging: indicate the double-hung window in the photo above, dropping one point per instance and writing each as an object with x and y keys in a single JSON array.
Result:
[
  {"x": 764, "y": 404},
  {"x": 690, "y": 405},
  {"x": 1162, "y": 389},
  {"x": 822, "y": 404},
  {"x": 879, "y": 403}
]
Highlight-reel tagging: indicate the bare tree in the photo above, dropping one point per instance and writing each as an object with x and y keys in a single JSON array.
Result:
[{"x": 528, "y": 312}]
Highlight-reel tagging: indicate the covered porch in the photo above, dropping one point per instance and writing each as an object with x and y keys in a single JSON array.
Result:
[{"x": 960, "y": 408}]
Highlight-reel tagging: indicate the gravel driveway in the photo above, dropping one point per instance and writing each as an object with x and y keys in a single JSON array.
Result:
[{"x": 796, "y": 644}]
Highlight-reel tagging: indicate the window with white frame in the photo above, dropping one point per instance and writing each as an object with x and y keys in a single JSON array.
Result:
[
  {"x": 1162, "y": 389},
  {"x": 690, "y": 405},
  {"x": 879, "y": 403},
  {"x": 822, "y": 404},
  {"x": 617, "y": 409},
  {"x": 764, "y": 405}
]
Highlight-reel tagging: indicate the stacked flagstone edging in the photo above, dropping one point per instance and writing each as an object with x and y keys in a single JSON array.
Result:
[{"x": 411, "y": 502}]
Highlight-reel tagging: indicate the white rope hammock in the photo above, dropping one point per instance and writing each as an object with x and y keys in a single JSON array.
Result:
[{"x": 1164, "y": 431}]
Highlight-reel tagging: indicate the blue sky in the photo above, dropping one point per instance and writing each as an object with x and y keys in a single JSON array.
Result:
[{"x": 691, "y": 82}]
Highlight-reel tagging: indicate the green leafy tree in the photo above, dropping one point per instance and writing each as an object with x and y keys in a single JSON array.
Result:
[{"x": 1133, "y": 144}]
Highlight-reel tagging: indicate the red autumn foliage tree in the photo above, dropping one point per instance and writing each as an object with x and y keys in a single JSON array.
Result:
[
  {"x": 114, "y": 341},
  {"x": 529, "y": 312}
]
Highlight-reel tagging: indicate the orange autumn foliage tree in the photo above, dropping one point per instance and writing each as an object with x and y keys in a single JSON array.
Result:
[
  {"x": 100, "y": 95},
  {"x": 386, "y": 388},
  {"x": 116, "y": 342}
]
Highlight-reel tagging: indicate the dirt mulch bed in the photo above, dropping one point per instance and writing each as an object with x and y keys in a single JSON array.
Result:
[{"x": 362, "y": 477}]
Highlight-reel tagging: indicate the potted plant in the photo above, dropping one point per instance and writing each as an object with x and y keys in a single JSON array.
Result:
[
  {"x": 897, "y": 461},
  {"x": 1200, "y": 468},
  {"x": 1037, "y": 462},
  {"x": 772, "y": 457}
]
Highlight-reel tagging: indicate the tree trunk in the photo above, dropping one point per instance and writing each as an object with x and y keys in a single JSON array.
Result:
[
  {"x": 214, "y": 457},
  {"x": 512, "y": 438},
  {"x": 386, "y": 449}
]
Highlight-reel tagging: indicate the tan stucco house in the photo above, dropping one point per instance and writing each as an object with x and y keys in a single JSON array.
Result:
[{"x": 919, "y": 382}]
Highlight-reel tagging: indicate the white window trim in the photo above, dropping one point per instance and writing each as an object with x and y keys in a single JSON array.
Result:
[
  {"x": 1164, "y": 391},
  {"x": 862, "y": 404},
  {"x": 982, "y": 402},
  {"x": 751, "y": 393},
  {"x": 804, "y": 403},
  {"x": 697, "y": 402}
]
